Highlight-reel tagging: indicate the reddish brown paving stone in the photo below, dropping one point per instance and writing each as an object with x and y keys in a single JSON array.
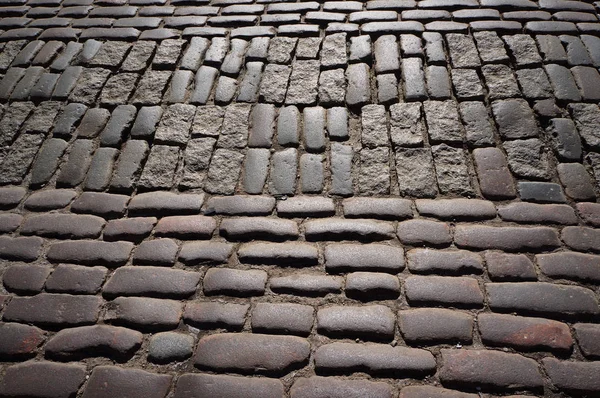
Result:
[
  {"x": 221, "y": 386},
  {"x": 570, "y": 265},
  {"x": 216, "y": 315},
  {"x": 317, "y": 387},
  {"x": 432, "y": 392},
  {"x": 590, "y": 213},
  {"x": 26, "y": 278},
  {"x": 185, "y": 227},
  {"x": 489, "y": 368},
  {"x": 573, "y": 376},
  {"x": 541, "y": 298},
  {"x": 115, "y": 381},
  {"x": 524, "y": 333},
  {"x": 19, "y": 341},
  {"x": 445, "y": 290},
  {"x": 90, "y": 341},
  {"x": 54, "y": 309},
  {"x": 505, "y": 238},
  {"x": 582, "y": 238},
  {"x": 251, "y": 353},
  {"x": 504, "y": 266},
  {"x": 432, "y": 325},
  {"x": 371, "y": 322},
  {"x": 42, "y": 379},
  {"x": 424, "y": 232},
  {"x": 134, "y": 229},
  {"x": 588, "y": 338},
  {"x": 347, "y": 358}
]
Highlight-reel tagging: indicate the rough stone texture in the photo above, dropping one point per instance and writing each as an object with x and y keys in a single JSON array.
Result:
[{"x": 176, "y": 172}]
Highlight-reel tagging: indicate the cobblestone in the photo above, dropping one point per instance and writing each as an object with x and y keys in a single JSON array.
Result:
[
  {"x": 466, "y": 366},
  {"x": 428, "y": 325},
  {"x": 250, "y": 354},
  {"x": 327, "y": 147}
]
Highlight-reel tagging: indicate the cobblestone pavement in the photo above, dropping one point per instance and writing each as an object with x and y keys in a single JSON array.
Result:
[{"x": 338, "y": 199}]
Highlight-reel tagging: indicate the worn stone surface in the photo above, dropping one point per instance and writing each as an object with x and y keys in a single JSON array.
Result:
[{"x": 220, "y": 198}]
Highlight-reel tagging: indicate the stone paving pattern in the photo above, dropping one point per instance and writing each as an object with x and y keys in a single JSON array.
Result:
[{"x": 256, "y": 198}]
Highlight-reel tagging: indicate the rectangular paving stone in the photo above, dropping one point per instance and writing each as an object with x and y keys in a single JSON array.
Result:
[
  {"x": 455, "y": 291},
  {"x": 565, "y": 88},
  {"x": 443, "y": 121},
  {"x": 89, "y": 84},
  {"x": 303, "y": 83},
  {"x": 139, "y": 56},
  {"x": 284, "y": 171},
  {"x": 585, "y": 116},
  {"x": 406, "y": 124},
  {"x": 372, "y": 321},
  {"x": 515, "y": 119},
  {"x": 115, "y": 380},
  {"x": 535, "y": 83},
  {"x": 60, "y": 310},
  {"x": 274, "y": 84},
  {"x": 234, "y": 132},
  {"x": 415, "y": 173},
  {"x": 315, "y": 386},
  {"x": 373, "y": 358},
  {"x": 466, "y": 84},
  {"x": 19, "y": 157},
  {"x": 250, "y": 84},
  {"x": 495, "y": 180},
  {"x": 194, "y": 54},
  {"x": 500, "y": 81},
  {"x": 175, "y": 124},
  {"x": 505, "y": 238},
  {"x": 151, "y": 87},
  {"x": 43, "y": 378},
  {"x": 119, "y": 123},
  {"x": 196, "y": 161},
  {"x": 374, "y": 171},
  {"x": 159, "y": 170},
  {"x": 311, "y": 173},
  {"x": 438, "y": 82},
  {"x": 452, "y": 170},
  {"x": 467, "y": 367},
  {"x": 414, "y": 79},
  {"x": 359, "y": 90},
  {"x": 528, "y": 159},
  {"x": 129, "y": 166},
  {"x": 490, "y": 46},
  {"x": 342, "y": 182},
  {"x": 478, "y": 128},
  {"x": 144, "y": 313},
  {"x": 224, "y": 171},
  {"x": 220, "y": 385},
  {"x": 462, "y": 51},
  {"x": 524, "y": 332},
  {"x": 541, "y": 298},
  {"x": 100, "y": 171},
  {"x": 387, "y": 54},
  {"x": 435, "y": 325}
]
